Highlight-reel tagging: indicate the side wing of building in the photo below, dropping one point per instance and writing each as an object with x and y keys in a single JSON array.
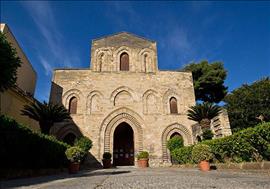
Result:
[{"x": 13, "y": 99}]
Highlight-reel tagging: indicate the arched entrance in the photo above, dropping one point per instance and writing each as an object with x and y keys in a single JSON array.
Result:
[
  {"x": 175, "y": 134},
  {"x": 123, "y": 145},
  {"x": 112, "y": 121},
  {"x": 172, "y": 130},
  {"x": 69, "y": 139}
]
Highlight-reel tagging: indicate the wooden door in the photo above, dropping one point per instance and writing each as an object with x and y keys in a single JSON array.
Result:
[{"x": 123, "y": 151}]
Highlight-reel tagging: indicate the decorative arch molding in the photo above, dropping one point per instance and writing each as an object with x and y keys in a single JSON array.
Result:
[
  {"x": 103, "y": 58},
  {"x": 119, "y": 90},
  {"x": 110, "y": 123},
  {"x": 166, "y": 99},
  {"x": 146, "y": 50},
  {"x": 145, "y": 101},
  {"x": 66, "y": 129},
  {"x": 89, "y": 102},
  {"x": 72, "y": 93},
  {"x": 117, "y": 54},
  {"x": 168, "y": 131},
  {"x": 150, "y": 54}
]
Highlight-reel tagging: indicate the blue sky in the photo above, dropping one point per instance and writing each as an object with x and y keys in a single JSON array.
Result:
[{"x": 58, "y": 34}]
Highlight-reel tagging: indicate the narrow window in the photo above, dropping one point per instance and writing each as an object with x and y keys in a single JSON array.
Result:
[
  {"x": 145, "y": 62},
  {"x": 173, "y": 106},
  {"x": 124, "y": 62},
  {"x": 72, "y": 105},
  {"x": 101, "y": 61}
]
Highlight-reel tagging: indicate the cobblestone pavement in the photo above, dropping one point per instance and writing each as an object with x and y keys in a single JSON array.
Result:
[{"x": 129, "y": 177}]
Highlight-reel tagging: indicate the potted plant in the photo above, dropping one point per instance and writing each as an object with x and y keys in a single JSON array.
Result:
[
  {"x": 85, "y": 144},
  {"x": 74, "y": 155},
  {"x": 201, "y": 154},
  {"x": 142, "y": 159},
  {"x": 106, "y": 161}
]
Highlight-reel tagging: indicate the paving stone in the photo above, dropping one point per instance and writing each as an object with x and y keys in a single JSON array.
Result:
[{"x": 130, "y": 177}]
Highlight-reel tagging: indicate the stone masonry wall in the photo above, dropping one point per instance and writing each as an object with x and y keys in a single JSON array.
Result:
[
  {"x": 107, "y": 97},
  {"x": 144, "y": 97}
]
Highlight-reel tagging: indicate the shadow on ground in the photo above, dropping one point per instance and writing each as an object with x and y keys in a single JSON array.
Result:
[{"x": 45, "y": 179}]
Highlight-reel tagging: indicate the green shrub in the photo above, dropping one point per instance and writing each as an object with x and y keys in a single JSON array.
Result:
[
  {"x": 175, "y": 142},
  {"x": 247, "y": 145},
  {"x": 182, "y": 155},
  {"x": 143, "y": 155},
  {"x": 75, "y": 154},
  {"x": 267, "y": 151},
  {"x": 22, "y": 148},
  {"x": 201, "y": 152},
  {"x": 252, "y": 144},
  {"x": 107, "y": 155},
  {"x": 207, "y": 134},
  {"x": 84, "y": 143}
]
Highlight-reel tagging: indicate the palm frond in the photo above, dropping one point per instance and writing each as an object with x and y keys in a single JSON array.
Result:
[
  {"x": 202, "y": 111},
  {"x": 46, "y": 113}
]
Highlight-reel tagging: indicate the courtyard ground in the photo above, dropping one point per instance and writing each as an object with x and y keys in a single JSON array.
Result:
[{"x": 130, "y": 177}]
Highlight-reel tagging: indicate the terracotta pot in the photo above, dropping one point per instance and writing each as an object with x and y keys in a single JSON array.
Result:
[
  {"x": 204, "y": 165},
  {"x": 106, "y": 163},
  {"x": 143, "y": 163},
  {"x": 74, "y": 167}
]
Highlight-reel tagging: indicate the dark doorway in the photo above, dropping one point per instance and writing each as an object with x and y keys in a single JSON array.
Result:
[{"x": 123, "y": 145}]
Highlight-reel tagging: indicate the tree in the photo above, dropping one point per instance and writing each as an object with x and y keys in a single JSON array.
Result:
[
  {"x": 249, "y": 105},
  {"x": 46, "y": 114},
  {"x": 9, "y": 63},
  {"x": 208, "y": 81},
  {"x": 203, "y": 113}
]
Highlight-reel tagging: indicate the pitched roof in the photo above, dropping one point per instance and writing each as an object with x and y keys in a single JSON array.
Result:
[{"x": 124, "y": 33}]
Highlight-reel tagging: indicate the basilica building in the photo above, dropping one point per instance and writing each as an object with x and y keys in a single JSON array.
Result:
[{"x": 123, "y": 102}]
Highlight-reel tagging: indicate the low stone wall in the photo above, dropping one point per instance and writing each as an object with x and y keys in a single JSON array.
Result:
[
  {"x": 265, "y": 165},
  {"x": 245, "y": 165}
]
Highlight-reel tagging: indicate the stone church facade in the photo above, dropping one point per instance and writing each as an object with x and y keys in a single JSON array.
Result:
[{"x": 123, "y": 103}]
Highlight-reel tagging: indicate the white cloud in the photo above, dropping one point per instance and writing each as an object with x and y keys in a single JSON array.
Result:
[
  {"x": 178, "y": 39},
  {"x": 53, "y": 50},
  {"x": 177, "y": 45},
  {"x": 48, "y": 68}
]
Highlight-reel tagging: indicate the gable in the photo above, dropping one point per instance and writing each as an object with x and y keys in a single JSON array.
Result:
[{"x": 122, "y": 39}]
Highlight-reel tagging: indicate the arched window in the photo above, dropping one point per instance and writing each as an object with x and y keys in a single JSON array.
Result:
[
  {"x": 72, "y": 107},
  {"x": 124, "y": 62},
  {"x": 173, "y": 106},
  {"x": 101, "y": 61}
]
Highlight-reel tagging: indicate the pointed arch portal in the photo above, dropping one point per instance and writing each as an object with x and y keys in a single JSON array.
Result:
[
  {"x": 173, "y": 130},
  {"x": 122, "y": 120},
  {"x": 123, "y": 145}
]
